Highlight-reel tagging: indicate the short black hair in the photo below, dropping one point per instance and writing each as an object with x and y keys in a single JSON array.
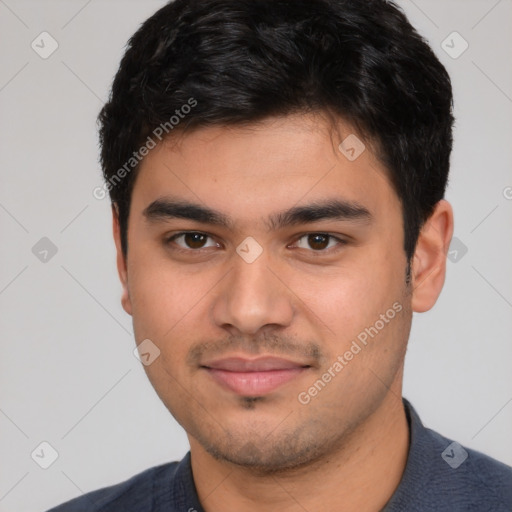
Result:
[{"x": 197, "y": 63}]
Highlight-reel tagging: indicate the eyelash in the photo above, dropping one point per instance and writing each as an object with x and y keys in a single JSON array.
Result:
[{"x": 321, "y": 252}]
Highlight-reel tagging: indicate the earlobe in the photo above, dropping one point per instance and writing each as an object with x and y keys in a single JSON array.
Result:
[
  {"x": 121, "y": 261},
  {"x": 429, "y": 262}
]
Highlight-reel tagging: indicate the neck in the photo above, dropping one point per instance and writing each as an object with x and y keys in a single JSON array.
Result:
[{"x": 361, "y": 476}]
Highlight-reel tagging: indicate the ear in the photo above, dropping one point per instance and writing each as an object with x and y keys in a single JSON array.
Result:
[
  {"x": 429, "y": 263},
  {"x": 121, "y": 261}
]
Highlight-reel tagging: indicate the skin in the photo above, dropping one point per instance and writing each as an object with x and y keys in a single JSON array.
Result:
[{"x": 347, "y": 448}]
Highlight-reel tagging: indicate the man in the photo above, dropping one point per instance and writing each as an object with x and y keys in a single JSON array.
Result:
[{"x": 277, "y": 172}]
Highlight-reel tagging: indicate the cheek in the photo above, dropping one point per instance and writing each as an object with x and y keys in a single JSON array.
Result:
[
  {"x": 344, "y": 301},
  {"x": 340, "y": 296},
  {"x": 160, "y": 295},
  {"x": 164, "y": 305},
  {"x": 169, "y": 305}
]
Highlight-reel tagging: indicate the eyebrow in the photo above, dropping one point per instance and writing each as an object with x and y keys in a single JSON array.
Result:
[{"x": 165, "y": 208}]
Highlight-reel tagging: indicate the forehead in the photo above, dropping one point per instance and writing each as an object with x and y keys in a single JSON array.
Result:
[{"x": 263, "y": 167}]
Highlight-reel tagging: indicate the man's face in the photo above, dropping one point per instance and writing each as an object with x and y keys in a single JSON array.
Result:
[{"x": 314, "y": 292}]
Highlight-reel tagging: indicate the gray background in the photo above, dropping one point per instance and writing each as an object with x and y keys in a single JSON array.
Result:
[{"x": 68, "y": 375}]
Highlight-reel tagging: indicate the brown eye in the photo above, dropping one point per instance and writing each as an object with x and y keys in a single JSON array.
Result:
[
  {"x": 194, "y": 240},
  {"x": 318, "y": 241},
  {"x": 191, "y": 240}
]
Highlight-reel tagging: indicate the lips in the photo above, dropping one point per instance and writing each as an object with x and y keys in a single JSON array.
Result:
[
  {"x": 262, "y": 364},
  {"x": 254, "y": 377}
]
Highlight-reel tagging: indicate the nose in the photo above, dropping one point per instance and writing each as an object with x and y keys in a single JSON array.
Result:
[{"x": 252, "y": 297}]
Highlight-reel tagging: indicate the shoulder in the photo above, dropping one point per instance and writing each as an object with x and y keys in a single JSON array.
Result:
[
  {"x": 442, "y": 475},
  {"x": 479, "y": 477},
  {"x": 140, "y": 492}
]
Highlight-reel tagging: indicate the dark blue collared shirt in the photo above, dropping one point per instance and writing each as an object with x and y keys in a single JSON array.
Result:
[{"x": 440, "y": 476}]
